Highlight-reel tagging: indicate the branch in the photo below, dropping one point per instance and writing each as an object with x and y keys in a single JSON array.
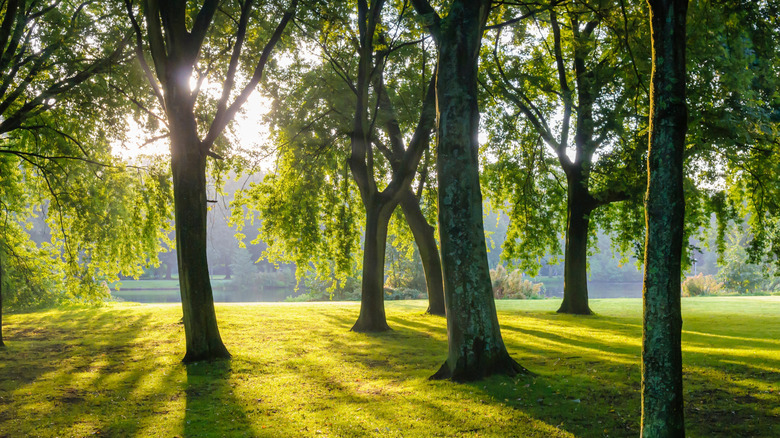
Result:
[
  {"x": 139, "y": 105},
  {"x": 565, "y": 91},
  {"x": 222, "y": 118},
  {"x": 524, "y": 16},
  {"x": 139, "y": 54},
  {"x": 428, "y": 17},
  {"x": 227, "y": 85}
]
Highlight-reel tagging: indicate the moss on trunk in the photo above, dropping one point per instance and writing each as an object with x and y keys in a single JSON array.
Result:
[
  {"x": 662, "y": 396},
  {"x": 1, "y": 302},
  {"x": 476, "y": 349}
]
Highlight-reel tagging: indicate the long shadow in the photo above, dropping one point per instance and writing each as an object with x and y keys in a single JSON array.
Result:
[
  {"x": 211, "y": 407},
  {"x": 589, "y": 393},
  {"x": 81, "y": 350}
]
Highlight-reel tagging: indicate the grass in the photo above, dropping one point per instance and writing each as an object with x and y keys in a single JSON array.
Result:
[{"x": 298, "y": 371}]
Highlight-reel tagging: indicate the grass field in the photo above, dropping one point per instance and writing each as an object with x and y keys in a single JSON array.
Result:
[{"x": 297, "y": 370}]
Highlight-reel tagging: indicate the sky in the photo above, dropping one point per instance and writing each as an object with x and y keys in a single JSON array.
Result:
[{"x": 250, "y": 130}]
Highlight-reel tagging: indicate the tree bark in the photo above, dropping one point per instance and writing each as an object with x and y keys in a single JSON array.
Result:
[
  {"x": 372, "y": 298},
  {"x": 476, "y": 349},
  {"x": 429, "y": 252},
  {"x": 175, "y": 37},
  {"x": 1, "y": 303},
  {"x": 188, "y": 164},
  {"x": 575, "y": 274},
  {"x": 379, "y": 205},
  {"x": 662, "y": 396}
]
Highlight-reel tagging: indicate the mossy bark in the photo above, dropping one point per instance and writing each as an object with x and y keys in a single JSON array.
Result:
[
  {"x": 372, "y": 298},
  {"x": 476, "y": 349},
  {"x": 188, "y": 164},
  {"x": 1, "y": 303},
  {"x": 429, "y": 251},
  {"x": 662, "y": 396}
]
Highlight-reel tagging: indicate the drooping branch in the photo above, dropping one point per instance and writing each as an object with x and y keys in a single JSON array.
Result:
[{"x": 41, "y": 102}]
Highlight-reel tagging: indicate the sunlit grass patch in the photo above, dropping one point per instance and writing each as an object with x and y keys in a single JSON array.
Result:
[{"x": 297, "y": 370}]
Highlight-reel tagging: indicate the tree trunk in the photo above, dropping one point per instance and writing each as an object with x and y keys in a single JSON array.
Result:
[
  {"x": 429, "y": 251},
  {"x": 372, "y": 298},
  {"x": 575, "y": 274},
  {"x": 476, "y": 349},
  {"x": 662, "y": 396},
  {"x": 188, "y": 163},
  {"x": 1, "y": 303}
]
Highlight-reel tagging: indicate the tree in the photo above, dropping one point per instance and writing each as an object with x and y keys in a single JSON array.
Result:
[
  {"x": 379, "y": 205},
  {"x": 57, "y": 121},
  {"x": 374, "y": 78},
  {"x": 176, "y": 52},
  {"x": 476, "y": 349},
  {"x": 735, "y": 120},
  {"x": 662, "y": 396},
  {"x": 584, "y": 76}
]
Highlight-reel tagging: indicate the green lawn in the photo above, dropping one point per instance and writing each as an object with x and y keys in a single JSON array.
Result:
[{"x": 297, "y": 370}]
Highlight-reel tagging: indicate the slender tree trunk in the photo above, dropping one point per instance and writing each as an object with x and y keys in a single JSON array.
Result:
[
  {"x": 662, "y": 396},
  {"x": 575, "y": 274},
  {"x": 1, "y": 302},
  {"x": 372, "y": 298},
  {"x": 429, "y": 252},
  {"x": 476, "y": 349},
  {"x": 188, "y": 163}
]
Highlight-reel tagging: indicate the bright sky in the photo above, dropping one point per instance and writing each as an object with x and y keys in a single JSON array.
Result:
[{"x": 250, "y": 132}]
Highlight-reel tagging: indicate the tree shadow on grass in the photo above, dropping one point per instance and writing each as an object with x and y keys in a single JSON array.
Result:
[
  {"x": 211, "y": 408},
  {"x": 604, "y": 370},
  {"x": 77, "y": 373},
  {"x": 588, "y": 380}
]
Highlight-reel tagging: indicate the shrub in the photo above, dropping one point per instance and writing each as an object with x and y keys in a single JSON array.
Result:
[
  {"x": 701, "y": 285},
  {"x": 511, "y": 285},
  {"x": 403, "y": 293}
]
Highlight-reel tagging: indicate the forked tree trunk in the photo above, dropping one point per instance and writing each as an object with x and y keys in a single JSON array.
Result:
[
  {"x": 372, "y": 298},
  {"x": 662, "y": 395},
  {"x": 188, "y": 164},
  {"x": 575, "y": 274},
  {"x": 429, "y": 252},
  {"x": 476, "y": 349}
]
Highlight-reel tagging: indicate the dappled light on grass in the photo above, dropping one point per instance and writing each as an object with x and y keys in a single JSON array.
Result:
[{"x": 297, "y": 370}]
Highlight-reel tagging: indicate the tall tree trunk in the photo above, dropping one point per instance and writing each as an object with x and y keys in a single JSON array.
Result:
[
  {"x": 476, "y": 349},
  {"x": 575, "y": 274},
  {"x": 429, "y": 251},
  {"x": 662, "y": 396},
  {"x": 188, "y": 163},
  {"x": 1, "y": 302},
  {"x": 372, "y": 298}
]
